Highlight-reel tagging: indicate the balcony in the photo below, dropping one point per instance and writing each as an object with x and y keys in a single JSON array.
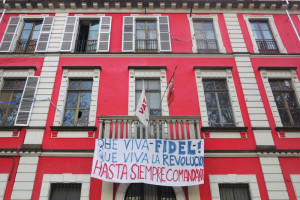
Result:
[
  {"x": 267, "y": 46},
  {"x": 146, "y": 46},
  {"x": 160, "y": 127},
  {"x": 207, "y": 46},
  {"x": 86, "y": 46},
  {"x": 25, "y": 46}
]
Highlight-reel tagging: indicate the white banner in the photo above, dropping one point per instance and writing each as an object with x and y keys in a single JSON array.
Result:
[{"x": 152, "y": 161}]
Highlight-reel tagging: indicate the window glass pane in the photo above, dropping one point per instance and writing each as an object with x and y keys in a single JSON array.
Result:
[
  {"x": 227, "y": 117},
  {"x": 257, "y": 35},
  {"x": 35, "y": 35},
  {"x": 291, "y": 99},
  {"x": 274, "y": 85},
  {"x": 284, "y": 117},
  {"x": 28, "y": 25},
  {"x": 278, "y": 99},
  {"x": 198, "y": 25},
  {"x": 16, "y": 98},
  {"x": 69, "y": 118},
  {"x": 208, "y": 26},
  {"x": 11, "y": 116},
  {"x": 267, "y": 35},
  {"x": 224, "y": 100},
  {"x": 154, "y": 101},
  {"x": 285, "y": 85},
  {"x": 199, "y": 34},
  {"x": 85, "y": 100},
  {"x": 25, "y": 34},
  {"x": 94, "y": 26},
  {"x": 72, "y": 100},
  {"x": 2, "y": 115},
  {"x": 264, "y": 26},
  {"x": 74, "y": 85},
  {"x": 83, "y": 117},
  {"x": 221, "y": 84},
  {"x": 86, "y": 85},
  {"x": 93, "y": 35},
  {"x": 140, "y": 34},
  {"x": 140, "y": 25},
  {"x": 210, "y": 99},
  {"x": 213, "y": 117},
  {"x": 152, "y": 85},
  {"x": 152, "y": 34},
  {"x": 208, "y": 85},
  {"x": 254, "y": 26},
  {"x": 296, "y": 116},
  {"x": 14, "y": 84},
  {"x": 210, "y": 35},
  {"x": 151, "y": 25}
]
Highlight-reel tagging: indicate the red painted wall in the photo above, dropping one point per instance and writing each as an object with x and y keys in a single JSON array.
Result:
[
  {"x": 290, "y": 166},
  {"x": 281, "y": 143},
  {"x": 9, "y": 166}
]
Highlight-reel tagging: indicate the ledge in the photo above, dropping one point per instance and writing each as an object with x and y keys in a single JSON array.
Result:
[
  {"x": 36, "y": 127},
  {"x": 288, "y": 129},
  {"x": 82, "y": 67},
  {"x": 31, "y": 147},
  {"x": 261, "y": 128},
  {"x": 147, "y": 67},
  {"x": 224, "y": 129},
  {"x": 18, "y": 67},
  {"x": 277, "y": 68},
  {"x": 266, "y": 148},
  {"x": 73, "y": 128},
  {"x": 11, "y": 128},
  {"x": 212, "y": 67}
]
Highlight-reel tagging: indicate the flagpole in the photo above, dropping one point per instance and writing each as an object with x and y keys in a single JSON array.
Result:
[{"x": 167, "y": 85}]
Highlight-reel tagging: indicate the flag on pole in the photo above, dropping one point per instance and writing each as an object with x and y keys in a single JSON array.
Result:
[
  {"x": 171, "y": 92},
  {"x": 142, "y": 110}
]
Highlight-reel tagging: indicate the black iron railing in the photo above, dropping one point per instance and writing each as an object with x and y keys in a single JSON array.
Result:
[
  {"x": 86, "y": 46},
  {"x": 25, "y": 46},
  {"x": 267, "y": 46},
  {"x": 146, "y": 46},
  {"x": 207, "y": 46}
]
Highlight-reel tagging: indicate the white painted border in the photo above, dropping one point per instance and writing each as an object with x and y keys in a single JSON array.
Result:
[
  {"x": 3, "y": 182},
  {"x": 279, "y": 74},
  {"x": 273, "y": 28},
  {"x": 215, "y": 180},
  {"x": 218, "y": 74},
  {"x": 84, "y": 179},
  {"x": 152, "y": 73},
  {"x": 214, "y": 18},
  {"x": 121, "y": 191},
  {"x": 78, "y": 74},
  {"x": 296, "y": 184}
]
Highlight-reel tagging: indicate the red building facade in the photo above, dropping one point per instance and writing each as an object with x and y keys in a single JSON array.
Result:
[{"x": 246, "y": 51}]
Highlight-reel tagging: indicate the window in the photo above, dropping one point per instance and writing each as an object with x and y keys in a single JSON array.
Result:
[
  {"x": 11, "y": 92},
  {"x": 218, "y": 103},
  {"x": 78, "y": 103},
  {"x": 68, "y": 191},
  {"x": 146, "y": 36},
  {"x": 286, "y": 102},
  {"x": 87, "y": 36},
  {"x": 205, "y": 37},
  {"x": 152, "y": 89},
  {"x": 264, "y": 37},
  {"x": 234, "y": 192}
]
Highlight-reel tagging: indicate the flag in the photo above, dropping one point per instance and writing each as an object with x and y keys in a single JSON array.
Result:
[
  {"x": 142, "y": 110},
  {"x": 171, "y": 93}
]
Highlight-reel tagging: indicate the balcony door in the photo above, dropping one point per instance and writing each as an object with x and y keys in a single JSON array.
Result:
[
  {"x": 87, "y": 36},
  {"x": 146, "y": 36}
]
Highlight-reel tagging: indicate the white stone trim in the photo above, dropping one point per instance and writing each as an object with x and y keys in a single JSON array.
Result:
[
  {"x": 84, "y": 179},
  {"x": 279, "y": 74},
  {"x": 3, "y": 182},
  {"x": 78, "y": 74},
  {"x": 147, "y": 73},
  {"x": 273, "y": 28},
  {"x": 215, "y": 180},
  {"x": 121, "y": 191},
  {"x": 214, "y": 18},
  {"x": 218, "y": 74},
  {"x": 296, "y": 184}
]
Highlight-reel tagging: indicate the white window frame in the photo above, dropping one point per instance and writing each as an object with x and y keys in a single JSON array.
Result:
[
  {"x": 272, "y": 26},
  {"x": 68, "y": 74},
  {"x": 218, "y": 74},
  {"x": 84, "y": 179},
  {"x": 280, "y": 74},
  {"x": 13, "y": 74},
  {"x": 147, "y": 73},
  {"x": 3, "y": 183},
  {"x": 215, "y": 20},
  {"x": 296, "y": 184}
]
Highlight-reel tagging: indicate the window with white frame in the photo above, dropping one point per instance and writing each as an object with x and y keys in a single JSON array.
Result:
[
  {"x": 283, "y": 92},
  {"x": 219, "y": 105},
  {"x": 206, "y": 34},
  {"x": 77, "y": 102},
  {"x": 86, "y": 34},
  {"x": 146, "y": 34},
  {"x": 27, "y": 34},
  {"x": 264, "y": 34}
]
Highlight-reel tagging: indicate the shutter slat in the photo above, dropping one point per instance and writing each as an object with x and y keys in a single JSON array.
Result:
[
  {"x": 104, "y": 34},
  {"x": 128, "y": 34},
  {"x": 26, "y": 105},
  {"x": 10, "y": 34},
  {"x": 67, "y": 42},
  {"x": 44, "y": 38},
  {"x": 164, "y": 34}
]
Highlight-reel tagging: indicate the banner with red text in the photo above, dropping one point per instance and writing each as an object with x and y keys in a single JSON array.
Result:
[{"x": 152, "y": 161}]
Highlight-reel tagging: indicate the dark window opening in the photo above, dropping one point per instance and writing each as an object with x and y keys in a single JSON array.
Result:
[
  {"x": 87, "y": 37},
  {"x": 65, "y": 191},
  {"x": 234, "y": 192}
]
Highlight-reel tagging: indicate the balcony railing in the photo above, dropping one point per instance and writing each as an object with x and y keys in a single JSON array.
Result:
[
  {"x": 160, "y": 127},
  {"x": 86, "y": 46},
  {"x": 146, "y": 46},
  {"x": 207, "y": 46},
  {"x": 25, "y": 46},
  {"x": 267, "y": 46}
]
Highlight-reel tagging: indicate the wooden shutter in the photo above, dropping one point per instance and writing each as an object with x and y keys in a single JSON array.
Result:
[
  {"x": 26, "y": 105},
  {"x": 104, "y": 34},
  {"x": 67, "y": 42},
  {"x": 10, "y": 34},
  {"x": 43, "y": 41},
  {"x": 128, "y": 34},
  {"x": 164, "y": 34}
]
